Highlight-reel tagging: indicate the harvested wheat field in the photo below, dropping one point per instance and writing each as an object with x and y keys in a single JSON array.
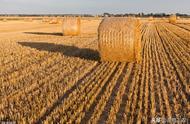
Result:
[{"x": 49, "y": 78}]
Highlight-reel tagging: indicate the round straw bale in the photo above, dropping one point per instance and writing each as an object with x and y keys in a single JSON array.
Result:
[
  {"x": 4, "y": 20},
  {"x": 54, "y": 21},
  {"x": 173, "y": 18},
  {"x": 119, "y": 39},
  {"x": 151, "y": 18},
  {"x": 71, "y": 26},
  {"x": 45, "y": 20},
  {"x": 28, "y": 19},
  {"x": 59, "y": 20}
]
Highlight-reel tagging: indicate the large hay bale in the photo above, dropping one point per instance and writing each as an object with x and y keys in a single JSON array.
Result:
[
  {"x": 120, "y": 39},
  {"x": 71, "y": 26},
  {"x": 173, "y": 19}
]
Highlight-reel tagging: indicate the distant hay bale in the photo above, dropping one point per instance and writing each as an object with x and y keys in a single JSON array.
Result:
[
  {"x": 60, "y": 20},
  {"x": 120, "y": 40},
  {"x": 45, "y": 20},
  {"x": 28, "y": 19},
  {"x": 71, "y": 26},
  {"x": 4, "y": 20},
  {"x": 173, "y": 19},
  {"x": 151, "y": 18},
  {"x": 178, "y": 18},
  {"x": 54, "y": 21}
]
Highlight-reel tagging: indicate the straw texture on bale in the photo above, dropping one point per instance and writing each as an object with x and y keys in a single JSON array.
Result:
[
  {"x": 71, "y": 26},
  {"x": 173, "y": 19},
  {"x": 120, "y": 40}
]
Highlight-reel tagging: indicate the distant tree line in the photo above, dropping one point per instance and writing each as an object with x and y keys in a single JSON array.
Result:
[
  {"x": 144, "y": 15},
  {"x": 47, "y": 15},
  {"x": 101, "y": 15}
]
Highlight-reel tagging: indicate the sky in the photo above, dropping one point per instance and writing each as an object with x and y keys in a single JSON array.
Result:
[{"x": 93, "y": 6}]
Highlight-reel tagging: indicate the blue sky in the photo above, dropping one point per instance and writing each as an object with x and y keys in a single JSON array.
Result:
[{"x": 93, "y": 6}]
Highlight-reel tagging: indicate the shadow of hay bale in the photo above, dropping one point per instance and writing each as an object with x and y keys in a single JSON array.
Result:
[
  {"x": 70, "y": 51},
  {"x": 44, "y": 33}
]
